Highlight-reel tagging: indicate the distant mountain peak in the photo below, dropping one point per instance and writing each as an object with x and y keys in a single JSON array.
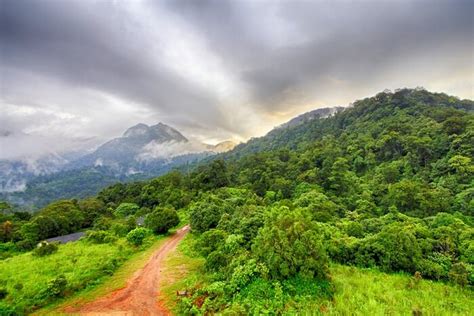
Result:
[
  {"x": 159, "y": 132},
  {"x": 170, "y": 132},
  {"x": 221, "y": 147},
  {"x": 309, "y": 116},
  {"x": 136, "y": 130},
  {"x": 224, "y": 146}
]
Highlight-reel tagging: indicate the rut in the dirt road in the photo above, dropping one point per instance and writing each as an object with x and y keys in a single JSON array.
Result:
[{"x": 139, "y": 296}]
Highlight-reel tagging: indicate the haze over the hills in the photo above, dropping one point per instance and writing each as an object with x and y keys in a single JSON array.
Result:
[
  {"x": 247, "y": 157},
  {"x": 142, "y": 149},
  {"x": 76, "y": 72}
]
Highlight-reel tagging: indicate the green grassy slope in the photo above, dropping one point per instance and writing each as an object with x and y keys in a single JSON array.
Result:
[
  {"x": 357, "y": 291},
  {"x": 33, "y": 282}
]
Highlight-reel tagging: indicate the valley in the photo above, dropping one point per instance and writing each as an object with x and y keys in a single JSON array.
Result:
[
  {"x": 143, "y": 152},
  {"x": 368, "y": 210}
]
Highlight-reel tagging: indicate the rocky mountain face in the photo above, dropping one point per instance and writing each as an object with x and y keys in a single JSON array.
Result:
[{"x": 124, "y": 151}]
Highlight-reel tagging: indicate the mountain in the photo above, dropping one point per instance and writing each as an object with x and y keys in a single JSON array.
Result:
[
  {"x": 222, "y": 146},
  {"x": 123, "y": 152},
  {"x": 142, "y": 152},
  {"x": 312, "y": 115},
  {"x": 381, "y": 106},
  {"x": 276, "y": 137}
]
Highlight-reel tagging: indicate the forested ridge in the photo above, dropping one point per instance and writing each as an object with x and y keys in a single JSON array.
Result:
[{"x": 386, "y": 183}]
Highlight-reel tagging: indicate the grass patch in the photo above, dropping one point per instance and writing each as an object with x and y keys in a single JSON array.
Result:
[
  {"x": 368, "y": 291},
  {"x": 109, "y": 283},
  {"x": 356, "y": 291},
  {"x": 32, "y": 282},
  {"x": 182, "y": 270}
]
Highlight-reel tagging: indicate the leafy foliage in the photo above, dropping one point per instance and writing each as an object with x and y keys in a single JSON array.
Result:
[
  {"x": 45, "y": 248},
  {"x": 137, "y": 235},
  {"x": 289, "y": 245},
  {"x": 161, "y": 220},
  {"x": 385, "y": 184}
]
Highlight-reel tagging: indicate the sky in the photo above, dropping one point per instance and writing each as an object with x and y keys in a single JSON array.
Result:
[{"x": 75, "y": 73}]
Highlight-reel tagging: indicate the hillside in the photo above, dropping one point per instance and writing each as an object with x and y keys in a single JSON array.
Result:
[
  {"x": 142, "y": 152},
  {"x": 386, "y": 185},
  {"x": 121, "y": 153},
  {"x": 383, "y": 105},
  {"x": 357, "y": 291}
]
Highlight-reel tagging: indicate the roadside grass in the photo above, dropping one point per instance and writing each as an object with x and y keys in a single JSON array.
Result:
[
  {"x": 356, "y": 291},
  {"x": 108, "y": 283},
  {"x": 183, "y": 270},
  {"x": 371, "y": 292},
  {"x": 32, "y": 282}
]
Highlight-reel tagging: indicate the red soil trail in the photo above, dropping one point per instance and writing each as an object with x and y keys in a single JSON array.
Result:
[{"x": 139, "y": 296}]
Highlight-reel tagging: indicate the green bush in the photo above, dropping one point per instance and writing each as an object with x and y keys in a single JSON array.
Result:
[
  {"x": 7, "y": 311},
  {"x": 204, "y": 216},
  {"x": 102, "y": 223},
  {"x": 26, "y": 244},
  {"x": 126, "y": 209},
  {"x": 395, "y": 248},
  {"x": 459, "y": 274},
  {"x": 56, "y": 287},
  {"x": 119, "y": 229},
  {"x": 210, "y": 241},
  {"x": 289, "y": 245},
  {"x": 100, "y": 237},
  {"x": 45, "y": 248},
  {"x": 137, "y": 235},
  {"x": 161, "y": 220}
]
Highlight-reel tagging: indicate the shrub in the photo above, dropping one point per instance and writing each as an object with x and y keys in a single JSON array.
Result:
[
  {"x": 459, "y": 274},
  {"x": 137, "y": 235},
  {"x": 100, "y": 237},
  {"x": 289, "y": 245},
  {"x": 395, "y": 248},
  {"x": 56, "y": 287},
  {"x": 126, "y": 209},
  {"x": 45, "y": 248},
  {"x": 102, "y": 223},
  {"x": 18, "y": 286},
  {"x": 161, "y": 220},
  {"x": 119, "y": 229},
  {"x": 216, "y": 260},
  {"x": 8, "y": 246},
  {"x": 26, "y": 244},
  {"x": 210, "y": 241},
  {"x": 205, "y": 216}
]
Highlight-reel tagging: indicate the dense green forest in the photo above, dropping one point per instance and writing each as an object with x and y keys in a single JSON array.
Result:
[{"x": 387, "y": 183}]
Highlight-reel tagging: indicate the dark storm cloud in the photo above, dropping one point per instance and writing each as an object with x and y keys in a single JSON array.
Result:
[
  {"x": 95, "y": 45},
  {"x": 353, "y": 41},
  {"x": 217, "y": 69}
]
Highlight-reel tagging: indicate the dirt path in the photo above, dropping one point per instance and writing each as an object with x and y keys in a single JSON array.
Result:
[{"x": 139, "y": 296}]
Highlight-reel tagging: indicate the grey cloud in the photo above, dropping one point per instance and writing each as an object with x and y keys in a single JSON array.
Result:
[
  {"x": 94, "y": 45},
  {"x": 352, "y": 41},
  {"x": 276, "y": 57}
]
